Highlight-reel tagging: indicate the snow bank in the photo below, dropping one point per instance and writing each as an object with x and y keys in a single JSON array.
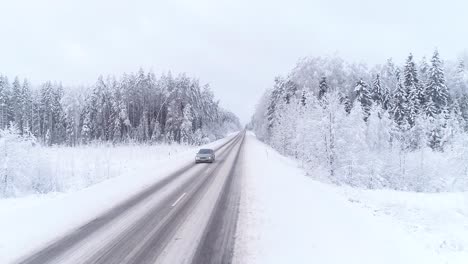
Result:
[
  {"x": 288, "y": 218},
  {"x": 28, "y": 222}
]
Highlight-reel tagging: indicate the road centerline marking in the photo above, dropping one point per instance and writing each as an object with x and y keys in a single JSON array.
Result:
[{"x": 178, "y": 200}]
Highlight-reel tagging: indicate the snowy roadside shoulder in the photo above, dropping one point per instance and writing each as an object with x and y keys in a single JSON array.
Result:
[
  {"x": 28, "y": 222},
  {"x": 438, "y": 220},
  {"x": 286, "y": 217}
]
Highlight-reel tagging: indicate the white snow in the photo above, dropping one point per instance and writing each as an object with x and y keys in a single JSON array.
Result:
[
  {"x": 438, "y": 220},
  {"x": 286, "y": 217},
  {"x": 28, "y": 222}
]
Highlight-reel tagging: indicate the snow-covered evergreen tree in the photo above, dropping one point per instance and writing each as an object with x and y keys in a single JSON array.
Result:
[
  {"x": 459, "y": 78},
  {"x": 436, "y": 90},
  {"x": 423, "y": 72},
  {"x": 323, "y": 87},
  {"x": 380, "y": 94},
  {"x": 17, "y": 102},
  {"x": 412, "y": 90},
  {"x": 186, "y": 126},
  {"x": 400, "y": 103},
  {"x": 347, "y": 104},
  {"x": 364, "y": 97},
  {"x": 27, "y": 107},
  {"x": 290, "y": 90},
  {"x": 274, "y": 100},
  {"x": 304, "y": 98},
  {"x": 5, "y": 102}
]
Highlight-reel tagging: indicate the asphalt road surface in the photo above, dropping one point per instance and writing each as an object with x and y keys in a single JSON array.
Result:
[{"x": 188, "y": 217}]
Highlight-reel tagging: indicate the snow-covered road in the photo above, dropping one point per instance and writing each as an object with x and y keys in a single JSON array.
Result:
[{"x": 179, "y": 219}]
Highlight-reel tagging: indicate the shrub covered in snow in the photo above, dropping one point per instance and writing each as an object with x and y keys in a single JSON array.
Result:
[{"x": 22, "y": 170}]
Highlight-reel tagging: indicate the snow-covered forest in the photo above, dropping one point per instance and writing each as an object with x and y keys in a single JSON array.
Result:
[
  {"x": 388, "y": 126},
  {"x": 59, "y": 139},
  {"x": 136, "y": 107}
]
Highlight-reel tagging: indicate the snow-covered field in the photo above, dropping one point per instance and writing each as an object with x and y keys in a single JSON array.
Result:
[
  {"x": 29, "y": 168},
  {"x": 97, "y": 178},
  {"x": 74, "y": 168},
  {"x": 289, "y": 218}
]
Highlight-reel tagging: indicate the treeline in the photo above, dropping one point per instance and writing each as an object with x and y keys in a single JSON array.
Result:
[
  {"x": 377, "y": 127},
  {"x": 136, "y": 107}
]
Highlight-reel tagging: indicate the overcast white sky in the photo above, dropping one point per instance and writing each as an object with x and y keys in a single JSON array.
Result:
[{"x": 237, "y": 46}]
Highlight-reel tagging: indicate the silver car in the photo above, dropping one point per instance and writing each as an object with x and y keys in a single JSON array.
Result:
[{"x": 205, "y": 155}]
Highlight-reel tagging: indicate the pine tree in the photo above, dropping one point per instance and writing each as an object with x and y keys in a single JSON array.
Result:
[
  {"x": 430, "y": 108},
  {"x": 187, "y": 125},
  {"x": 436, "y": 90},
  {"x": 423, "y": 72},
  {"x": 399, "y": 109},
  {"x": 412, "y": 90},
  {"x": 363, "y": 96},
  {"x": 156, "y": 136},
  {"x": 421, "y": 87},
  {"x": 70, "y": 129},
  {"x": 36, "y": 114},
  {"x": 410, "y": 73},
  {"x": 323, "y": 87},
  {"x": 303, "y": 98},
  {"x": 86, "y": 127},
  {"x": 389, "y": 82},
  {"x": 389, "y": 70},
  {"x": 346, "y": 102},
  {"x": 290, "y": 89},
  {"x": 59, "y": 125},
  {"x": 5, "y": 102},
  {"x": 27, "y": 107},
  {"x": 17, "y": 102},
  {"x": 380, "y": 94},
  {"x": 173, "y": 121},
  {"x": 143, "y": 129},
  {"x": 121, "y": 121},
  {"x": 274, "y": 100},
  {"x": 435, "y": 137},
  {"x": 461, "y": 78},
  {"x": 45, "y": 112},
  {"x": 463, "y": 103}
]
